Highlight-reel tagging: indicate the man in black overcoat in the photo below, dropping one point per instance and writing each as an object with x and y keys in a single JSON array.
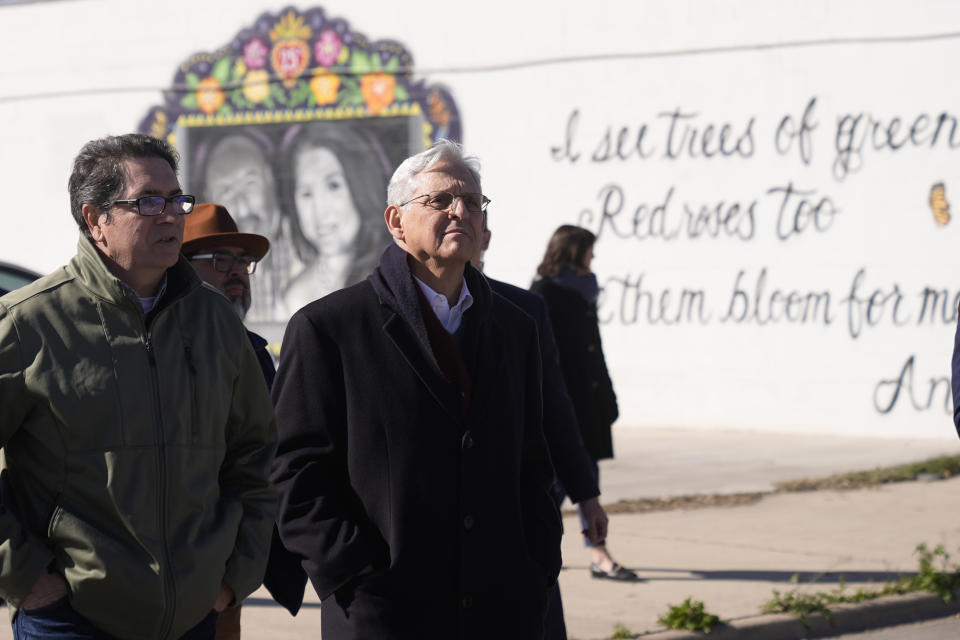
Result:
[{"x": 412, "y": 468}]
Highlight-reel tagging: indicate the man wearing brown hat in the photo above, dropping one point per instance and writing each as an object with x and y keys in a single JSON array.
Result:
[{"x": 225, "y": 258}]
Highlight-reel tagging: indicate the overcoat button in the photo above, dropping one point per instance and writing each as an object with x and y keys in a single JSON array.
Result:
[
  {"x": 468, "y": 522},
  {"x": 467, "y": 442},
  {"x": 467, "y": 602}
]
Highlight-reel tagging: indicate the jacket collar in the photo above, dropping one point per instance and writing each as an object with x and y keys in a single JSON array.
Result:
[
  {"x": 394, "y": 284},
  {"x": 90, "y": 270},
  {"x": 404, "y": 324}
]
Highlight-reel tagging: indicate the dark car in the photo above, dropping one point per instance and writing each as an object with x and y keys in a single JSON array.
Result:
[{"x": 13, "y": 277}]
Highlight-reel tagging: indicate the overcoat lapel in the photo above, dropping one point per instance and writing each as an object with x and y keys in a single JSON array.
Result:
[
  {"x": 404, "y": 325},
  {"x": 422, "y": 364}
]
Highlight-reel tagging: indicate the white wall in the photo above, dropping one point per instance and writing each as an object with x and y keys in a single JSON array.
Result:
[{"x": 812, "y": 376}]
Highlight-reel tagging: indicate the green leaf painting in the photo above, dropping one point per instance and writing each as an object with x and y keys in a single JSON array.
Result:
[
  {"x": 360, "y": 63},
  {"x": 221, "y": 70}
]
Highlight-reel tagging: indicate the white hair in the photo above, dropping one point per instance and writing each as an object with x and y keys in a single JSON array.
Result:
[{"x": 402, "y": 183}]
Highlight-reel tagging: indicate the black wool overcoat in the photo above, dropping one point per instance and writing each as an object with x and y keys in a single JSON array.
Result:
[
  {"x": 570, "y": 458},
  {"x": 417, "y": 515},
  {"x": 577, "y": 332}
]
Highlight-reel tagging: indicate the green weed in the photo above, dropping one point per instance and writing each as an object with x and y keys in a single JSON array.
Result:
[
  {"x": 690, "y": 615},
  {"x": 935, "y": 575}
]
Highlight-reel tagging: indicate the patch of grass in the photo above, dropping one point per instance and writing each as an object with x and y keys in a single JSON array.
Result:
[
  {"x": 800, "y": 604},
  {"x": 645, "y": 505},
  {"x": 690, "y": 615},
  {"x": 942, "y": 467},
  {"x": 936, "y": 575},
  {"x": 620, "y": 631}
]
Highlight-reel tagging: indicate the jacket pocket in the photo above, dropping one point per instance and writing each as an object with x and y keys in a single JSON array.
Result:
[{"x": 115, "y": 582}]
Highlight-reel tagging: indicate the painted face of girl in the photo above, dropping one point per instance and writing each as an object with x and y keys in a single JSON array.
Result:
[{"x": 327, "y": 213}]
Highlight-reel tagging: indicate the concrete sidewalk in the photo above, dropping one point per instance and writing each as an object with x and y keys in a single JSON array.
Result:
[
  {"x": 732, "y": 558},
  {"x": 729, "y": 557}
]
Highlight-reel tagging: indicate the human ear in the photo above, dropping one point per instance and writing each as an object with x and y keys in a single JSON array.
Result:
[
  {"x": 95, "y": 219},
  {"x": 394, "y": 222}
]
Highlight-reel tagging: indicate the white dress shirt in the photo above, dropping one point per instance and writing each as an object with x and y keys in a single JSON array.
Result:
[{"x": 449, "y": 316}]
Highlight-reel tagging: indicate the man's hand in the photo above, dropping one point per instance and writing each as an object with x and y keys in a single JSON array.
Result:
[
  {"x": 224, "y": 598},
  {"x": 48, "y": 588},
  {"x": 596, "y": 519}
]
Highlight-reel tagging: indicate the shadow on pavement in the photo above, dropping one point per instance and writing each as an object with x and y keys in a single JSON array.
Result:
[
  {"x": 802, "y": 577},
  {"x": 267, "y": 602}
]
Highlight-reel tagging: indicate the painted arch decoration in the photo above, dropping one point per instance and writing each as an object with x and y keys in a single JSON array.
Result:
[
  {"x": 294, "y": 67},
  {"x": 296, "y": 126}
]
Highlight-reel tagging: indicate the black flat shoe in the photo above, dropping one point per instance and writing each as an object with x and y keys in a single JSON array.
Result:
[{"x": 619, "y": 572}]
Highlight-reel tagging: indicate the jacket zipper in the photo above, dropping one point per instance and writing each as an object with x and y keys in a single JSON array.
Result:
[
  {"x": 166, "y": 567},
  {"x": 168, "y": 579},
  {"x": 195, "y": 395}
]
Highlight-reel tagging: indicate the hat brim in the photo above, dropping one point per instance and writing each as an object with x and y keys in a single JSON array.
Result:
[{"x": 254, "y": 244}]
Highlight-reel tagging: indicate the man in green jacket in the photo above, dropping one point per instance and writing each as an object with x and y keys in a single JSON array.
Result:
[{"x": 136, "y": 426}]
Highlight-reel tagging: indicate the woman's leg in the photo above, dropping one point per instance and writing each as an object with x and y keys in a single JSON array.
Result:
[{"x": 602, "y": 564}]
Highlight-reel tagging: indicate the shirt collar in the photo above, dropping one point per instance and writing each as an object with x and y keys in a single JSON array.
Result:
[
  {"x": 147, "y": 304},
  {"x": 450, "y": 316}
]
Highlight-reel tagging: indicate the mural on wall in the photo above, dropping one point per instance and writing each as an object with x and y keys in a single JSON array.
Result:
[
  {"x": 816, "y": 271},
  {"x": 296, "y": 126}
]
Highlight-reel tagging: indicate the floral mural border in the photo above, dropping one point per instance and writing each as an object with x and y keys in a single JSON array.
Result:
[{"x": 297, "y": 66}]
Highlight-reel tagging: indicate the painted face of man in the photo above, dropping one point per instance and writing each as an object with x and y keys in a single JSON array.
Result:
[{"x": 239, "y": 178}]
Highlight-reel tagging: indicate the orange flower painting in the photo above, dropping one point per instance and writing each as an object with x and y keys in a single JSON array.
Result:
[
  {"x": 378, "y": 91},
  {"x": 210, "y": 96}
]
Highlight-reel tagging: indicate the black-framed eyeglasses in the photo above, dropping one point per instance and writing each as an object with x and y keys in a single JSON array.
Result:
[
  {"x": 154, "y": 205},
  {"x": 444, "y": 201},
  {"x": 224, "y": 261}
]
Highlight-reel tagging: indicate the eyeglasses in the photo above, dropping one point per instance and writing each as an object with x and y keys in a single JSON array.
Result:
[
  {"x": 445, "y": 201},
  {"x": 154, "y": 205},
  {"x": 223, "y": 262}
]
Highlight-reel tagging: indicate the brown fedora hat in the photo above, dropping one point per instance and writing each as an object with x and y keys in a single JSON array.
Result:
[{"x": 210, "y": 225}]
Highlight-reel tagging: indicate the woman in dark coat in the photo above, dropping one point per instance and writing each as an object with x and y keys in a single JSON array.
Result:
[{"x": 570, "y": 290}]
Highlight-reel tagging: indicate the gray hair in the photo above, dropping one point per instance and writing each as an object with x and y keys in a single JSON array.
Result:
[
  {"x": 98, "y": 177},
  {"x": 401, "y": 186}
]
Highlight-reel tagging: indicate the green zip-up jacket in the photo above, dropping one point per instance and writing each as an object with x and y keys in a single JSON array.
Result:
[{"x": 136, "y": 448}]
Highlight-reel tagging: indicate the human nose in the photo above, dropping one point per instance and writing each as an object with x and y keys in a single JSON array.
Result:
[
  {"x": 235, "y": 268},
  {"x": 458, "y": 207},
  {"x": 170, "y": 215},
  {"x": 311, "y": 213}
]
